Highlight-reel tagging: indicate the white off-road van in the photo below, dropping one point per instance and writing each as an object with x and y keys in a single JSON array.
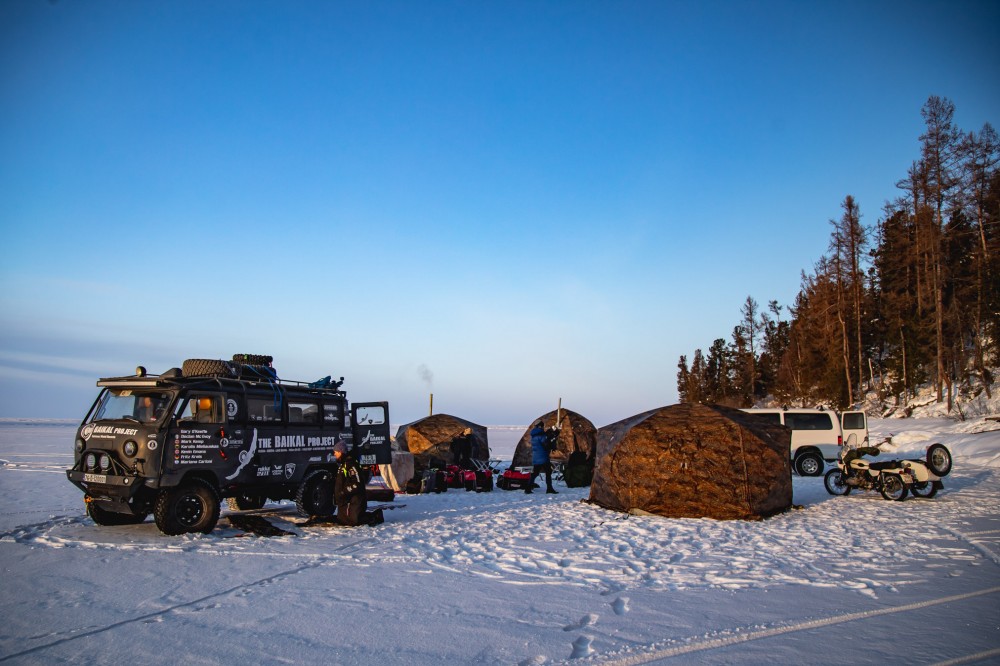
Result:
[{"x": 817, "y": 434}]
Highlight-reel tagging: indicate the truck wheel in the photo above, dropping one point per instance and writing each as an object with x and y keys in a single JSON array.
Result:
[
  {"x": 315, "y": 496},
  {"x": 190, "y": 507},
  {"x": 809, "y": 464},
  {"x": 893, "y": 488},
  {"x": 939, "y": 459},
  {"x": 102, "y": 516},
  {"x": 246, "y": 502},
  {"x": 835, "y": 483}
]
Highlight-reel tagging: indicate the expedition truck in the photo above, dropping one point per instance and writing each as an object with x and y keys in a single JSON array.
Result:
[
  {"x": 177, "y": 444},
  {"x": 817, "y": 434}
]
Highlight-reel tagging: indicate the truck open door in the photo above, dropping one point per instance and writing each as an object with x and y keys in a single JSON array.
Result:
[{"x": 370, "y": 427}]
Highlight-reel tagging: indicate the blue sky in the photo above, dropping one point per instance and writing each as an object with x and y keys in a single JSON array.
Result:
[{"x": 504, "y": 203}]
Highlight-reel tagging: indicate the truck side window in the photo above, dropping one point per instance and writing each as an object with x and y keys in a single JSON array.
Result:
[
  {"x": 303, "y": 412},
  {"x": 263, "y": 409},
  {"x": 204, "y": 409}
]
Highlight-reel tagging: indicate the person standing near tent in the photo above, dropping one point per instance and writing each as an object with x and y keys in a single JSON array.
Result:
[
  {"x": 461, "y": 450},
  {"x": 349, "y": 491},
  {"x": 542, "y": 443}
]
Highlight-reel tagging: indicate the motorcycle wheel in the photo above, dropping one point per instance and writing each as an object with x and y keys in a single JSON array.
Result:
[
  {"x": 925, "y": 489},
  {"x": 835, "y": 483},
  {"x": 893, "y": 488},
  {"x": 939, "y": 459}
]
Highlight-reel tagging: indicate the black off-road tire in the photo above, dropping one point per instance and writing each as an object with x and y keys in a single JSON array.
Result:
[
  {"x": 315, "y": 495},
  {"x": 939, "y": 459},
  {"x": 810, "y": 463},
  {"x": 246, "y": 502},
  {"x": 835, "y": 484},
  {"x": 253, "y": 359},
  {"x": 924, "y": 489},
  {"x": 107, "y": 518},
  {"x": 207, "y": 367},
  {"x": 190, "y": 507},
  {"x": 893, "y": 488}
]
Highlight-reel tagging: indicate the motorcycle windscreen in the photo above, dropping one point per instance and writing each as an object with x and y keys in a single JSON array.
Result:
[{"x": 370, "y": 427}]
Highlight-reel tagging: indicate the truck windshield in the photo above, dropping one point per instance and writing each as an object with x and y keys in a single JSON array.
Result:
[{"x": 132, "y": 405}]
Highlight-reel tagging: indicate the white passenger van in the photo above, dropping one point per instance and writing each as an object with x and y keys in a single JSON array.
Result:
[{"x": 817, "y": 434}]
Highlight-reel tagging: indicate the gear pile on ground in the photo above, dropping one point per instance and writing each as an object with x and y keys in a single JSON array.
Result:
[{"x": 694, "y": 461}]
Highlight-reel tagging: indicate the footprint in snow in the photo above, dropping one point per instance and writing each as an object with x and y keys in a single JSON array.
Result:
[
  {"x": 585, "y": 621},
  {"x": 581, "y": 647},
  {"x": 677, "y": 557},
  {"x": 533, "y": 661},
  {"x": 620, "y": 605}
]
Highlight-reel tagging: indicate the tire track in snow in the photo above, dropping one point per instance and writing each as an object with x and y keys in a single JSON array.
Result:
[{"x": 711, "y": 644}]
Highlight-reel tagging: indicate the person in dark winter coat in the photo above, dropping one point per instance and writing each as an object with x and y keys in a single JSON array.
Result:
[
  {"x": 349, "y": 491},
  {"x": 461, "y": 450},
  {"x": 542, "y": 443}
]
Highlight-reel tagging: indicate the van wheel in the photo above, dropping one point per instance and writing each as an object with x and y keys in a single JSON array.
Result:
[
  {"x": 809, "y": 464},
  {"x": 102, "y": 516},
  {"x": 246, "y": 502},
  {"x": 190, "y": 507},
  {"x": 315, "y": 496}
]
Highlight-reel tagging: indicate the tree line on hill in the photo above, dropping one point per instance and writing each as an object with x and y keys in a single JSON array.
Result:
[{"x": 915, "y": 299}]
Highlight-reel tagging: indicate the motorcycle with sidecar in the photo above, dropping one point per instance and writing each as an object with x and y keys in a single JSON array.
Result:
[{"x": 894, "y": 479}]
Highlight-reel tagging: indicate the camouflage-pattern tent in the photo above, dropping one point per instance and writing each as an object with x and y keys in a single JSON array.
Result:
[
  {"x": 694, "y": 461},
  {"x": 430, "y": 440},
  {"x": 577, "y": 433}
]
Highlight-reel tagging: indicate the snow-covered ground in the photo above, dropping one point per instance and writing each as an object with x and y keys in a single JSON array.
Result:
[{"x": 508, "y": 578}]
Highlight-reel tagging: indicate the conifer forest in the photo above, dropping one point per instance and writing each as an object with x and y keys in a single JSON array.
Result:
[{"x": 912, "y": 300}]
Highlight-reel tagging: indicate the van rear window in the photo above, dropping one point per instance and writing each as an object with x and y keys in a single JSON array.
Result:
[
  {"x": 808, "y": 421},
  {"x": 854, "y": 421}
]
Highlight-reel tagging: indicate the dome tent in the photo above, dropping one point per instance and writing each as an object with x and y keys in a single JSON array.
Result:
[
  {"x": 430, "y": 440},
  {"x": 577, "y": 435},
  {"x": 694, "y": 461}
]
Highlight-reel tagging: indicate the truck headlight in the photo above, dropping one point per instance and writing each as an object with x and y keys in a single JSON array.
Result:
[
  {"x": 80, "y": 444},
  {"x": 130, "y": 448}
]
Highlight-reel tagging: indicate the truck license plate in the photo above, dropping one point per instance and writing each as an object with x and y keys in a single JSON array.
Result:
[{"x": 95, "y": 478}]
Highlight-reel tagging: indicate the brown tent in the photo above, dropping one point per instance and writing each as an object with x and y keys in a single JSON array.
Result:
[
  {"x": 577, "y": 433},
  {"x": 694, "y": 461},
  {"x": 430, "y": 440}
]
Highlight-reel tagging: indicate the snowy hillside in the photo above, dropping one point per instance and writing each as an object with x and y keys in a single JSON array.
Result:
[{"x": 508, "y": 578}]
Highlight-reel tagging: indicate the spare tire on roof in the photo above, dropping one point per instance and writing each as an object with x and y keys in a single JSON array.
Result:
[
  {"x": 694, "y": 461},
  {"x": 253, "y": 359},
  {"x": 208, "y": 367}
]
